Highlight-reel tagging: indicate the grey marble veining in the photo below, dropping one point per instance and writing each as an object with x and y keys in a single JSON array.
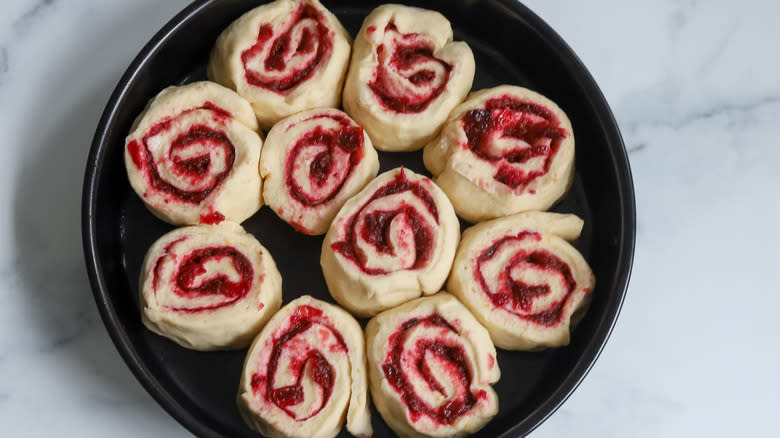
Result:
[{"x": 694, "y": 86}]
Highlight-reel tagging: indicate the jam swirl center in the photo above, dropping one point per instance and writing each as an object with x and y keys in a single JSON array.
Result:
[
  {"x": 327, "y": 157},
  {"x": 445, "y": 350},
  {"x": 511, "y": 291},
  {"x": 400, "y": 230},
  {"x": 306, "y": 360},
  {"x": 408, "y": 76},
  {"x": 281, "y": 62},
  {"x": 211, "y": 277},
  {"x": 521, "y": 139},
  {"x": 193, "y": 163}
]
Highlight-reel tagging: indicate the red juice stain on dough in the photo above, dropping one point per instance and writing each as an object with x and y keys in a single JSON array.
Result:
[
  {"x": 513, "y": 118},
  {"x": 447, "y": 351},
  {"x": 189, "y": 281},
  {"x": 219, "y": 113},
  {"x": 516, "y": 296},
  {"x": 297, "y": 226},
  {"x": 136, "y": 154},
  {"x": 301, "y": 319},
  {"x": 347, "y": 137},
  {"x": 378, "y": 224},
  {"x": 212, "y": 217},
  {"x": 283, "y": 48},
  {"x": 399, "y": 60},
  {"x": 256, "y": 382}
]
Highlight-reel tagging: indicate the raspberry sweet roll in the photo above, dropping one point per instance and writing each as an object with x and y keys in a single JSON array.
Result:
[
  {"x": 406, "y": 76},
  {"x": 311, "y": 163},
  {"x": 523, "y": 280},
  {"x": 305, "y": 372},
  {"x": 209, "y": 287},
  {"x": 430, "y": 366},
  {"x": 192, "y": 156},
  {"x": 390, "y": 243},
  {"x": 505, "y": 150},
  {"x": 283, "y": 57}
]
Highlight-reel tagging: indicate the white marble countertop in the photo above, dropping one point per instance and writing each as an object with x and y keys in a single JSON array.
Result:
[{"x": 695, "y": 87}]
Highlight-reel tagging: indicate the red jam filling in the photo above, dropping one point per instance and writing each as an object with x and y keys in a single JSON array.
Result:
[
  {"x": 192, "y": 168},
  {"x": 377, "y": 226},
  {"x": 532, "y": 124},
  {"x": 166, "y": 252},
  {"x": 399, "y": 60},
  {"x": 211, "y": 217},
  {"x": 313, "y": 46},
  {"x": 188, "y": 281},
  {"x": 219, "y": 113},
  {"x": 322, "y": 373},
  {"x": 516, "y": 296},
  {"x": 347, "y": 140},
  {"x": 458, "y": 372}
]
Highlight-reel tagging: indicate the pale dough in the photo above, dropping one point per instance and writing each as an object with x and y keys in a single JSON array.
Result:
[
  {"x": 192, "y": 155},
  {"x": 316, "y": 347},
  {"x": 279, "y": 79},
  {"x": 390, "y": 243},
  {"x": 311, "y": 163},
  {"x": 209, "y": 287},
  {"x": 482, "y": 189},
  {"x": 415, "y": 331},
  {"x": 434, "y": 74},
  {"x": 524, "y": 251}
]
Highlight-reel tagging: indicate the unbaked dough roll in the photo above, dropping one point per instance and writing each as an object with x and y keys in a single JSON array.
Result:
[
  {"x": 505, "y": 150},
  {"x": 312, "y": 162},
  {"x": 390, "y": 243},
  {"x": 406, "y": 75},
  {"x": 305, "y": 372},
  {"x": 522, "y": 279},
  {"x": 192, "y": 156},
  {"x": 430, "y": 367},
  {"x": 209, "y": 287},
  {"x": 283, "y": 57}
]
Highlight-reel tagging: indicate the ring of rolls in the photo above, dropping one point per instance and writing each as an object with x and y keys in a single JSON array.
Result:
[{"x": 499, "y": 157}]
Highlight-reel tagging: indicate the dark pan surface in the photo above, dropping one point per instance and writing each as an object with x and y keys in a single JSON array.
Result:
[{"x": 511, "y": 45}]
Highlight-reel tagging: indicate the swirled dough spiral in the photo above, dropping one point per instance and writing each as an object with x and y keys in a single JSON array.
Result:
[
  {"x": 209, "y": 287},
  {"x": 406, "y": 75},
  {"x": 305, "y": 372},
  {"x": 430, "y": 366},
  {"x": 522, "y": 279},
  {"x": 390, "y": 243},
  {"x": 312, "y": 162},
  {"x": 283, "y": 57},
  {"x": 192, "y": 156},
  {"x": 505, "y": 150}
]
